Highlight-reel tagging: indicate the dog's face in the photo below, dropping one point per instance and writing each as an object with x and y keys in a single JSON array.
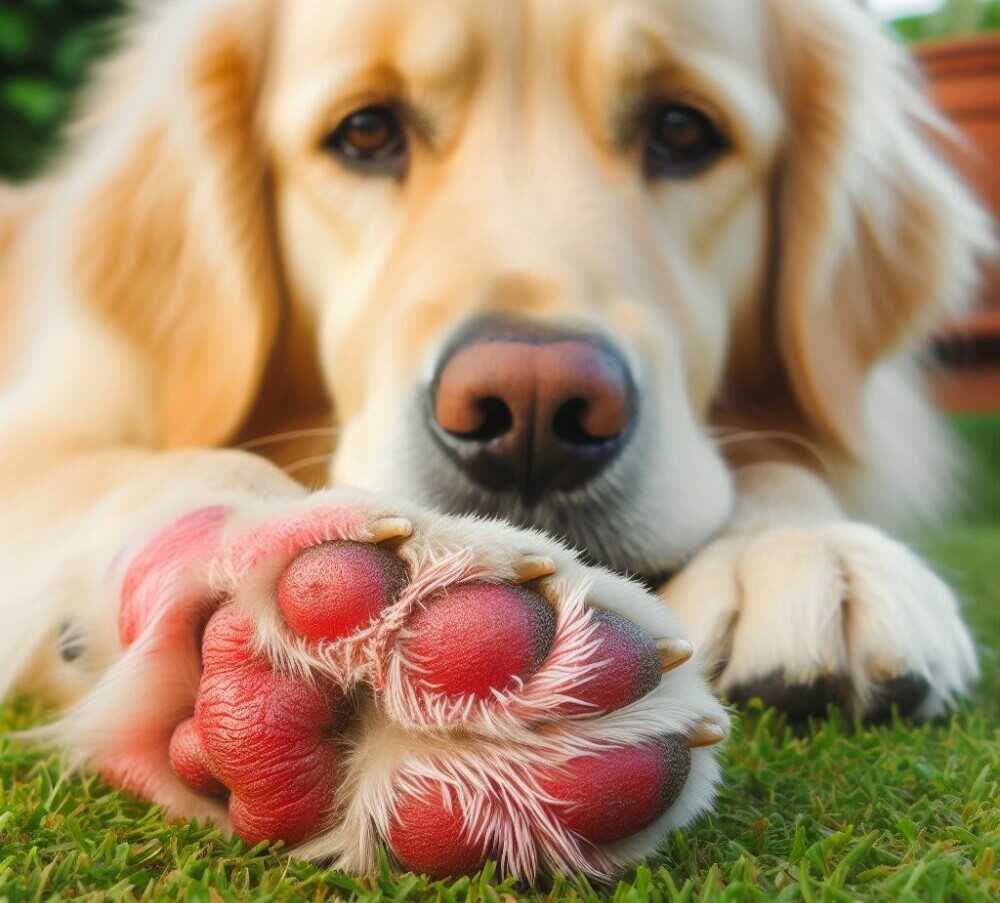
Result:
[
  {"x": 530, "y": 248},
  {"x": 541, "y": 188}
]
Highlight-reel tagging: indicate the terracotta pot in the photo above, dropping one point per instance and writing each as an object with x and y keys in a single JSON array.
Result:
[{"x": 964, "y": 81}]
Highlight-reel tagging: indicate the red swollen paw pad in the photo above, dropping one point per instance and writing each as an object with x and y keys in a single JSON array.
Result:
[
  {"x": 479, "y": 637},
  {"x": 190, "y": 762},
  {"x": 193, "y": 539},
  {"x": 611, "y": 796},
  {"x": 265, "y": 736},
  {"x": 333, "y": 590},
  {"x": 631, "y": 669},
  {"x": 428, "y": 836}
]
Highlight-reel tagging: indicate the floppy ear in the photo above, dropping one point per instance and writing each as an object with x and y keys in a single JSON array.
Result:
[
  {"x": 12, "y": 211},
  {"x": 876, "y": 236},
  {"x": 170, "y": 215}
]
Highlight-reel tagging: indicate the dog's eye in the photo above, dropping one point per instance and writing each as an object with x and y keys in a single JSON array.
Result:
[
  {"x": 681, "y": 141},
  {"x": 372, "y": 138}
]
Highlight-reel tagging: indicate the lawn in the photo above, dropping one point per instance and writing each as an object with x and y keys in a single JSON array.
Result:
[{"x": 833, "y": 812}]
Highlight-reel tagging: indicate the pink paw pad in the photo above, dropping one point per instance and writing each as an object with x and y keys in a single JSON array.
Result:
[
  {"x": 631, "y": 666},
  {"x": 428, "y": 836},
  {"x": 186, "y": 544},
  {"x": 190, "y": 762},
  {"x": 333, "y": 590},
  {"x": 267, "y": 738},
  {"x": 478, "y": 638},
  {"x": 613, "y": 795}
]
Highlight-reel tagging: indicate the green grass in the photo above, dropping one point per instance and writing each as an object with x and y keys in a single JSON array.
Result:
[{"x": 835, "y": 812}]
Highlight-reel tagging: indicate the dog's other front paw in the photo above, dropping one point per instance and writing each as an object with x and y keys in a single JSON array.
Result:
[
  {"x": 805, "y": 617},
  {"x": 338, "y": 675}
]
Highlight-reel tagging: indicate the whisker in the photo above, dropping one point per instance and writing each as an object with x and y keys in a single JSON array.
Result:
[
  {"x": 307, "y": 462},
  {"x": 291, "y": 436},
  {"x": 764, "y": 435}
]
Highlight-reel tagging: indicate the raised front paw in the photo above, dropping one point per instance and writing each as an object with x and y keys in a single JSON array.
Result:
[
  {"x": 805, "y": 617},
  {"x": 340, "y": 675}
]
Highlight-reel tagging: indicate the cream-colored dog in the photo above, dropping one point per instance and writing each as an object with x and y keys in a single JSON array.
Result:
[{"x": 642, "y": 275}]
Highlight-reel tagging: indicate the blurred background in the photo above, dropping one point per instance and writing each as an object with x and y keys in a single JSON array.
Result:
[{"x": 48, "y": 46}]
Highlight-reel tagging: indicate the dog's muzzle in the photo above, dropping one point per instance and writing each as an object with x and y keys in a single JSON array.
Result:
[{"x": 532, "y": 408}]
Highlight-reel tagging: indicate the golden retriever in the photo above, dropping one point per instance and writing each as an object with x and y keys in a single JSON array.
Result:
[{"x": 642, "y": 275}]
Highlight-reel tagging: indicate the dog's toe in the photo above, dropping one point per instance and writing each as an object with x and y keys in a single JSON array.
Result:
[
  {"x": 907, "y": 693},
  {"x": 799, "y": 700},
  {"x": 333, "y": 590},
  {"x": 594, "y": 799},
  {"x": 269, "y": 739}
]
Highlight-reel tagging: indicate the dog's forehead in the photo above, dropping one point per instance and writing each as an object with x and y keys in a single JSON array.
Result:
[
  {"x": 642, "y": 30},
  {"x": 441, "y": 38},
  {"x": 435, "y": 35}
]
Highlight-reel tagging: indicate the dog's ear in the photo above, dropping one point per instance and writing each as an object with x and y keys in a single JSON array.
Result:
[
  {"x": 170, "y": 225},
  {"x": 12, "y": 211},
  {"x": 876, "y": 237}
]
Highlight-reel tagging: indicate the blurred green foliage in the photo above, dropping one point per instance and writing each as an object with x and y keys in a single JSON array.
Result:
[
  {"x": 954, "y": 18},
  {"x": 46, "y": 48}
]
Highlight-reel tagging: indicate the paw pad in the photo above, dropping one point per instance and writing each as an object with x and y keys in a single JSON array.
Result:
[
  {"x": 478, "y": 639},
  {"x": 333, "y": 590},
  {"x": 613, "y": 795},
  {"x": 191, "y": 763},
  {"x": 266, "y": 737},
  {"x": 428, "y": 835},
  {"x": 630, "y": 666}
]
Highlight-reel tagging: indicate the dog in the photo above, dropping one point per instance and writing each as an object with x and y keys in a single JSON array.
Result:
[{"x": 385, "y": 295}]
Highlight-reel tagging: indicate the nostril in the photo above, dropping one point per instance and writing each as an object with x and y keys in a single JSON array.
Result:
[
  {"x": 569, "y": 425},
  {"x": 532, "y": 409},
  {"x": 496, "y": 421}
]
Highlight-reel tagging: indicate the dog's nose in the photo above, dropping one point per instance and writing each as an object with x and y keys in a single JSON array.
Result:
[{"x": 527, "y": 407}]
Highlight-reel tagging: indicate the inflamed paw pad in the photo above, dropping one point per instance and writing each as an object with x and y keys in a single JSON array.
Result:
[
  {"x": 605, "y": 798},
  {"x": 267, "y": 739},
  {"x": 478, "y": 639},
  {"x": 332, "y": 591},
  {"x": 628, "y": 666}
]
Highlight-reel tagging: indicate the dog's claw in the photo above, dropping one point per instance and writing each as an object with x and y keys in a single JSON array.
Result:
[
  {"x": 706, "y": 733},
  {"x": 389, "y": 528},
  {"x": 533, "y": 567},
  {"x": 673, "y": 653}
]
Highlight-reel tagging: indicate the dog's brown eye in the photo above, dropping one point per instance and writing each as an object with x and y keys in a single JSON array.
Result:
[
  {"x": 372, "y": 138},
  {"x": 681, "y": 141}
]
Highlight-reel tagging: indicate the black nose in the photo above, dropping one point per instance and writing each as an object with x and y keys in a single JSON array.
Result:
[{"x": 528, "y": 407}]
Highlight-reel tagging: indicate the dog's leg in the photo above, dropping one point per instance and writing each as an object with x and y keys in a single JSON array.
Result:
[
  {"x": 71, "y": 522},
  {"x": 338, "y": 671},
  {"x": 799, "y": 605}
]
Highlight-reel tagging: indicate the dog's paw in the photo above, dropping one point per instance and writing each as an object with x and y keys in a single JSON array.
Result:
[
  {"x": 804, "y": 617},
  {"x": 338, "y": 675}
]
